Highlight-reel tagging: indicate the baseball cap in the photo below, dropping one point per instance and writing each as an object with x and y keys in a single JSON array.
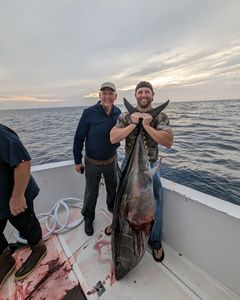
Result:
[{"x": 109, "y": 85}]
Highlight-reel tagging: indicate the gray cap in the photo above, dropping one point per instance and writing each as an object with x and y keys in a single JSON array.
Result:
[{"x": 109, "y": 85}]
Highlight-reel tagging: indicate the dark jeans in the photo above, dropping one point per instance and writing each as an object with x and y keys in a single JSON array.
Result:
[
  {"x": 26, "y": 223},
  {"x": 93, "y": 175}
]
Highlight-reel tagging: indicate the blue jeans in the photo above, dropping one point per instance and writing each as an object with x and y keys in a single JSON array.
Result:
[{"x": 155, "y": 239}]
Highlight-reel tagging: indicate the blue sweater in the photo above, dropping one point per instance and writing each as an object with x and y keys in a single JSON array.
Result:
[{"x": 94, "y": 129}]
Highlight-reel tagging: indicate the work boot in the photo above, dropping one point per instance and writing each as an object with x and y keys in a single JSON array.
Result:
[
  {"x": 88, "y": 227},
  {"x": 38, "y": 252},
  {"x": 7, "y": 265}
]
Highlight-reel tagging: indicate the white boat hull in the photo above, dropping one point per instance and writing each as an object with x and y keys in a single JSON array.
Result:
[{"x": 200, "y": 234}]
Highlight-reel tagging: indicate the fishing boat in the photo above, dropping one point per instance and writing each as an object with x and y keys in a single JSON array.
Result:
[{"x": 200, "y": 238}]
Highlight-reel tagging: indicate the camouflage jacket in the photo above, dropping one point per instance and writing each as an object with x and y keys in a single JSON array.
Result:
[{"x": 161, "y": 122}]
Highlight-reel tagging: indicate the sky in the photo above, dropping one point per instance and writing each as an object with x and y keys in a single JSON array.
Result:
[{"x": 58, "y": 52}]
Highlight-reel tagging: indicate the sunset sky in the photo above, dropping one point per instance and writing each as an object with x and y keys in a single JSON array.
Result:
[{"x": 58, "y": 52}]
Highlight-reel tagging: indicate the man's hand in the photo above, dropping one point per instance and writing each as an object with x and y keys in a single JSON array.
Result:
[
  {"x": 80, "y": 168},
  {"x": 135, "y": 117},
  {"x": 147, "y": 119},
  {"x": 17, "y": 204}
]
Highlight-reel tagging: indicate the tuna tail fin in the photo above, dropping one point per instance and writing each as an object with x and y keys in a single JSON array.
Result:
[
  {"x": 129, "y": 106},
  {"x": 154, "y": 112},
  {"x": 154, "y": 170}
]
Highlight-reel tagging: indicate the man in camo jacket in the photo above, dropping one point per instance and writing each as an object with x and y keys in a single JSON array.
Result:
[{"x": 156, "y": 132}]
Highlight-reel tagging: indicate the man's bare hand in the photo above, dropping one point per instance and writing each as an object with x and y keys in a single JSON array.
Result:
[
  {"x": 147, "y": 119},
  {"x": 135, "y": 117},
  {"x": 80, "y": 168},
  {"x": 17, "y": 205}
]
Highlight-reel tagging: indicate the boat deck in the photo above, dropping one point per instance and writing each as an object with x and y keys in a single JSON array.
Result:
[{"x": 80, "y": 267}]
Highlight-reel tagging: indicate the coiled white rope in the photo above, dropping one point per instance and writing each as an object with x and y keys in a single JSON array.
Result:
[{"x": 53, "y": 223}]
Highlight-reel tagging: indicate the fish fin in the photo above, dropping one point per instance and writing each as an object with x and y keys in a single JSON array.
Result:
[
  {"x": 118, "y": 170},
  {"x": 154, "y": 112},
  {"x": 129, "y": 106},
  {"x": 154, "y": 170}
]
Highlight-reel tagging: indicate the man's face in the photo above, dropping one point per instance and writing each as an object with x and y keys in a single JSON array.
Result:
[
  {"x": 144, "y": 97},
  {"x": 107, "y": 97}
]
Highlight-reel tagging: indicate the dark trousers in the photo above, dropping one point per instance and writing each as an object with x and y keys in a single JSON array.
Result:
[
  {"x": 26, "y": 223},
  {"x": 93, "y": 175}
]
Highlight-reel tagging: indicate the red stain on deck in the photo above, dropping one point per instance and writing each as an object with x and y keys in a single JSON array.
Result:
[
  {"x": 52, "y": 279},
  {"x": 54, "y": 266},
  {"x": 91, "y": 292},
  {"x": 98, "y": 246}
]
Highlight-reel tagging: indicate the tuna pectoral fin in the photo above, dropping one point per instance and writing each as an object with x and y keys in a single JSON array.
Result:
[
  {"x": 154, "y": 170},
  {"x": 118, "y": 170}
]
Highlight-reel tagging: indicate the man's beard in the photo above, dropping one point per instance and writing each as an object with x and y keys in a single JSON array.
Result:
[{"x": 146, "y": 103}]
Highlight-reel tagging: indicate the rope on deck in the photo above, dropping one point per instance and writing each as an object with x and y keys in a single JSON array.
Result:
[{"x": 53, "y": 223}]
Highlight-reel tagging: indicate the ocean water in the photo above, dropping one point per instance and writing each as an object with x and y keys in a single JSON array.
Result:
[{"x": 205, "y": 154}]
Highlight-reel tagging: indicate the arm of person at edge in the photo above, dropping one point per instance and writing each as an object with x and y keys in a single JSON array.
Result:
[
  {"x": 162, "y": 137},
  {"x": 79, "y": 139},
  {"x": 17, "y": 201}
]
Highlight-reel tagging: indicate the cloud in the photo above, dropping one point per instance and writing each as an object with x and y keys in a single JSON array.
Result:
[
  {"x": 186, "y": 68},
  {"x": 68, "y": 54},
  {"x": 92, "y": 95},
  {"x": 29, "y": 99}
]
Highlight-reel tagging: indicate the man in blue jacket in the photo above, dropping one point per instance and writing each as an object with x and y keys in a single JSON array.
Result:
[{"x": 94, "y": 131}]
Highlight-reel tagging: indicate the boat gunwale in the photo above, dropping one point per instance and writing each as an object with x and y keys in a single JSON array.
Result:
[{"x": 231, "y": 209}]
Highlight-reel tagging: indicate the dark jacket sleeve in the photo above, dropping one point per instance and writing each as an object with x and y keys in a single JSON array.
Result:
[
  {"x": 12, "y": 150},
  {"x": 80, "y": 136}
]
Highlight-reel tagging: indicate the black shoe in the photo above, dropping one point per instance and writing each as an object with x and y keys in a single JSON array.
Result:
[
  {"x": 7, "y": 263},
  {"x": 88, "y": 227},
  {"x": 38, "y": 252}
]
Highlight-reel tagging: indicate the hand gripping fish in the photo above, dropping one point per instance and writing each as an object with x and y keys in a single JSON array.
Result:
[{"x": 134, "y": 205}]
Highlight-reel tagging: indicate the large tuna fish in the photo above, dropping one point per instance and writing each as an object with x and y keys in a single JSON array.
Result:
[{"x": 134, "y": 206}]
